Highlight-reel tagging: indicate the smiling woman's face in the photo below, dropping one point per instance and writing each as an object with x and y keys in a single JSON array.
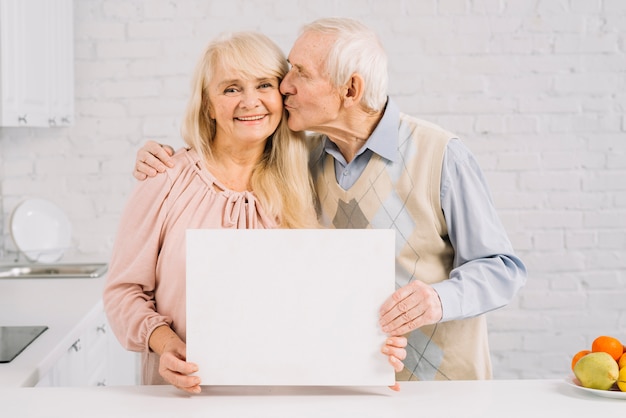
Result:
[{"x": 245, "y": 110}]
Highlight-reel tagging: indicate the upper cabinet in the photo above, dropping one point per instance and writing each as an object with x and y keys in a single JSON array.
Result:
[{"x": 36, "y": 63}]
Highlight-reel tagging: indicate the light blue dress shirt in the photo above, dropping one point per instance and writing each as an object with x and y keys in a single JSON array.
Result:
[{"x": 477, "y": 283}]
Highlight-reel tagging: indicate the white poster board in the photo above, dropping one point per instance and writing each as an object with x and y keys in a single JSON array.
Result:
[{"x": 289, "y": 307}]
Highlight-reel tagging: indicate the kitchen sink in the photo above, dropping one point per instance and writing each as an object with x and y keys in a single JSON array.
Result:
[{"x": 53, "y": 271}]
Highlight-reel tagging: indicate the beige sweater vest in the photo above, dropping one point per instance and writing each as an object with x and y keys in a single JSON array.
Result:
[{"x": 405, "y": 196}]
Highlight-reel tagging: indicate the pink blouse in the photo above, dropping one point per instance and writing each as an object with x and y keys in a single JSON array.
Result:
[{"x": 145, "y": 285}]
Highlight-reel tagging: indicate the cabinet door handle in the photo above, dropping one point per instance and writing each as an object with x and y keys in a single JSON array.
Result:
[
  {"x": 102, "y": 328},
  {"x": 22, "y": 119},
  {"x": 76, "y": 346},
  {"x": 52, "y": 122},
  {"x": 65, "y": 119},
  {"x": 102, "y": 382}
]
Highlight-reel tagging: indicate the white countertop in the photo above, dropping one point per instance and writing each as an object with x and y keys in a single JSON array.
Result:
[
  {"x": 64, "y": 305},
  {"x": 495, "y": 398}
]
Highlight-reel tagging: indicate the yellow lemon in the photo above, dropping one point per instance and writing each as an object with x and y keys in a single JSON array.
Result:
[{"x": 621, "y": 379}]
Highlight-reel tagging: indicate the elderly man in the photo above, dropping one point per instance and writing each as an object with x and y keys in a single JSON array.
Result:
[{"x": 375, "y": 167}]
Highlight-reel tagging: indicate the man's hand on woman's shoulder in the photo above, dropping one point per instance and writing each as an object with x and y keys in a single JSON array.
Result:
[{"x": 152, "y": 158}]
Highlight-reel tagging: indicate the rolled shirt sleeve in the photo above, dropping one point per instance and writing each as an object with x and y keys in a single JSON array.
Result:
[{"x": 486, "y": 272}]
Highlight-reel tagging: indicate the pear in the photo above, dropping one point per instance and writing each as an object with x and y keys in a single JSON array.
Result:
[{"x": 597, "y": 371}]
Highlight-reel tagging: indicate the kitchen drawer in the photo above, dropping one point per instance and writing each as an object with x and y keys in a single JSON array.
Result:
[
  {"x": 95, "y": 345},
  {"x": 93, "y": 359},
  {"x": 98, "y": 376}
]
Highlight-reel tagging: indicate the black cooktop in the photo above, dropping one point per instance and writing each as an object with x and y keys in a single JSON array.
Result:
[{"x": 13, "y": 340}]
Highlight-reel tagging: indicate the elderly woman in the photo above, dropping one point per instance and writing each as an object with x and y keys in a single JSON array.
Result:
[{"x": 243, "y": 168}]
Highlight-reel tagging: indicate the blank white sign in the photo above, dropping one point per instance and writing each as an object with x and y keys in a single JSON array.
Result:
[{"x": 288, "y": 307}]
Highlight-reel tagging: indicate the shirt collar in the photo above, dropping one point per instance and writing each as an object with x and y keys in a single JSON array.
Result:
[{"x": 384, "y": 140}]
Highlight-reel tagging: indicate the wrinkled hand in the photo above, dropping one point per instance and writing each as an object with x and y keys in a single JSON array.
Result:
[
  {"x": 152, "y": 158},
  {"x": 409, "y": 308},
  {"x": 394, "y": 349},
  {"x": 175, "y": 370}
]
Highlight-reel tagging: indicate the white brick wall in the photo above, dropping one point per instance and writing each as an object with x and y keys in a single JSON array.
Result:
[{"x": 536, "y": 89}]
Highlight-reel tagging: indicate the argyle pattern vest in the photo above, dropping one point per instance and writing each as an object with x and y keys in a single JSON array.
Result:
[{"x": 405, "y": 196}]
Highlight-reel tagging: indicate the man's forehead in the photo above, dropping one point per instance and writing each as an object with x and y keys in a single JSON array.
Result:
[
  {"x": 313, "y": 39},
  {"x": 310, "y": 49}
]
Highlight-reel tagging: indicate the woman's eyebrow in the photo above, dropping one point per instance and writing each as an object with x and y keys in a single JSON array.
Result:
[{"x": 239, "y": 81}]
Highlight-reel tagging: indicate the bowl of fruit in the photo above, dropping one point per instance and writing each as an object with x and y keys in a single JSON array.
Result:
[{"x": 601, "y": 368}]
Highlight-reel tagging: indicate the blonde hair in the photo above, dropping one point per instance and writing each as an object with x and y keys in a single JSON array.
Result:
[
  {"x": 281, "y": 179},
  {"x": 356, "y": 49}
]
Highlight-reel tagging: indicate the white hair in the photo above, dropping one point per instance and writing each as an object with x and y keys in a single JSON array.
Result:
[{"x": 356, "y": 49}]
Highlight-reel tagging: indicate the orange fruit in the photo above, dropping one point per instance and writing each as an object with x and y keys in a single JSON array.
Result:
[
  {"x": 578, "y": 356},
  {"x": 610, "y": 345},
  {"x": 621, "y": 363}
]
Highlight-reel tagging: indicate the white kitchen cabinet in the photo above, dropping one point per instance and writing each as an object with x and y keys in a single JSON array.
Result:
[
  {"x": 36, "y": 63},
  {"x": 95, "y": 358},
  {"x": 123, "y": 366}
]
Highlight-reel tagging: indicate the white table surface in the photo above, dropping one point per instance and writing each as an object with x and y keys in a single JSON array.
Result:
[
  {"x": 465, "y": 399},
  {"x": 64, "y": 305}
]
